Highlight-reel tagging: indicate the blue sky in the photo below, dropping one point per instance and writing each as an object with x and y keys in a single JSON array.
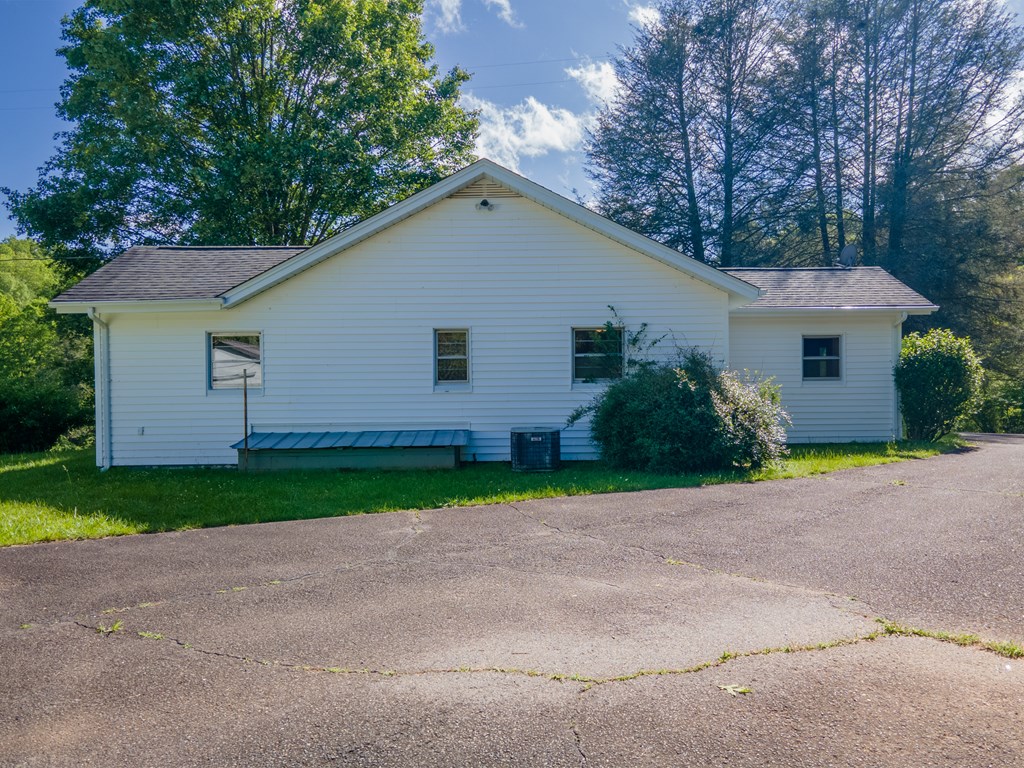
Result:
[{"x": 540, "y": 70}]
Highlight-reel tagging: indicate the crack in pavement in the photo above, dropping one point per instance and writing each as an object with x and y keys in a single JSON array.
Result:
[
  {"x": 588, "y": 681},
  {"x": 887, "y": 630},
  {"x": 581, "y": 534},
  {"x": 666, "y": 559},
  {"x": 900, "y": 483},
  {"x": 579, "y": 744},
  {"x": 416, "y": 528}
]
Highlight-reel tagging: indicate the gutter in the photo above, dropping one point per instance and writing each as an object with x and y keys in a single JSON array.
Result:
[
  {"x": 860, "y": 309},
  {"x": 71, "y": 306},
  {"x": 104, "y": 429}
]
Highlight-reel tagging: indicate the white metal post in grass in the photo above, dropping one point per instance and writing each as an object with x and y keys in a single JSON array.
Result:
[{"x": 246, "y": 375}]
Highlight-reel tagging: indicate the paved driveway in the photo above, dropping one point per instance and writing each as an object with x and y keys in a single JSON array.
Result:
[{"x": 566, "y": 632}]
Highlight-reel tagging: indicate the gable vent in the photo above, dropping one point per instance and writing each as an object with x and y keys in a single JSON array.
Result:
[{"x": 485, "y": 189}]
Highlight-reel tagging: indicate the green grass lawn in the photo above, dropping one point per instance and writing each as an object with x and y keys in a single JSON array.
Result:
[{"x": 51, "y": 496}]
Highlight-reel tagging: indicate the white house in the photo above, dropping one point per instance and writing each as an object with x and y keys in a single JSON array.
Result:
[{"x": 474, "y": 306}]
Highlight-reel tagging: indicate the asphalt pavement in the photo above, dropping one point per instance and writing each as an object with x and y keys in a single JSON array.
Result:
[{"x": 731, "y": 625}]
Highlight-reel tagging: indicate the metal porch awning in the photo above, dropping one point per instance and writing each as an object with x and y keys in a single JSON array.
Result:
[{"x": 404, "y": 438}]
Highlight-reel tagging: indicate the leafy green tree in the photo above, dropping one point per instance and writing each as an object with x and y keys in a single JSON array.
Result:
[
  {"x": 939, "y": 378},
  {"x": 680, "y": 155},
  {"x": 25, "y": 273},
  {"x": 45, "y": 361},
  {"x": 967, "y": 255},
  {"x": 242, "y": 122}
]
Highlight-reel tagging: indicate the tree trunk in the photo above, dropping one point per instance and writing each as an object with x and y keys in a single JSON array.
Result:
[
  {"x": 837, "y": 158},
  {"x": 819, "y": 181},
  {"x": 692, "y": 212},
  {"x": 904, "y": 153},
  {"x": 869, "y": 105}
]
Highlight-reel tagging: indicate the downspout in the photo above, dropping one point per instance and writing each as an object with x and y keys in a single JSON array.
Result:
[
  {"x": 897, "y": 343},
  {"x": 104, "y": 432}
]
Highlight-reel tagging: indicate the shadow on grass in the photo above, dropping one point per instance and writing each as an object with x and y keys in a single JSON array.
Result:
[{"x": 64, "y": 496}]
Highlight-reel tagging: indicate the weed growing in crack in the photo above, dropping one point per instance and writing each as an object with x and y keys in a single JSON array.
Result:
[
  {"x": 1007, "y": 649},
  {"x": 964, "y": 640},
  {"x": 151, "y": 635},
  {"x": 117, "y": 626}
]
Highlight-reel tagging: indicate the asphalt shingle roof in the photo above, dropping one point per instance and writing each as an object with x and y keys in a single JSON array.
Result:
[
  {"x": 830, "y": 288},
  {"x": 154, "y": 273}
]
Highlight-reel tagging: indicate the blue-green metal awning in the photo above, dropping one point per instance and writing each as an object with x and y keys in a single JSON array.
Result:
[{"x": 404, "y": 438}]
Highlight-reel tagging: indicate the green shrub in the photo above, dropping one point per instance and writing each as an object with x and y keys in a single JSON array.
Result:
[
  {"x": 939, "y": 379},
  {"x": 76, "y": 438},
  {"x": 35, "y": 412},
  {"x": 686, "y": 419},
  {"x": 1001, "y": 407},
  {"x": 753, "y": 422}
]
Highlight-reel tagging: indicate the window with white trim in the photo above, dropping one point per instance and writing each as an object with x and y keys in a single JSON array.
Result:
[
  {"x": 235, "y": 358},
  {"x": 598, "y": 354},
  {"x": 822, "y": 358},
  {"x": 451, "y": 356}
]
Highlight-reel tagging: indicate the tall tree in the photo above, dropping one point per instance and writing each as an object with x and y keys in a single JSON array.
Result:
[
  {"x": 241, "y": 121},
  {"x": 679, "y": 155},
  {"x": 952, "y": 113}
]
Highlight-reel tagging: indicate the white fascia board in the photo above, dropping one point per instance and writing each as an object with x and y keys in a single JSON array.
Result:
[
  {"x": 734, "y": 286},
  {"x": 153, "y": 305},
  {"x": 804, "y": 311}
]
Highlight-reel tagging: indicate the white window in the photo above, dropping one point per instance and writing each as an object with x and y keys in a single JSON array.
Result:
[
  {"x": 822, "y": 357},
  {"x": 451, "y": 356},
  {"x": 234, "y": 358},
  {"x": 597, "y": 353}
]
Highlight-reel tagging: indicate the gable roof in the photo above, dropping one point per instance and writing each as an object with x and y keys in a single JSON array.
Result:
[
  {"x": 830, "y": 288},
  {"x": 162, "y": 273},
  {"x": 171, "y": 277}
]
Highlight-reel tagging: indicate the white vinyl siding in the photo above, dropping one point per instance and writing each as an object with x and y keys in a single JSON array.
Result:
[
  {"x": 349, "y": 342},
  {"x": 858, "y": 405}
]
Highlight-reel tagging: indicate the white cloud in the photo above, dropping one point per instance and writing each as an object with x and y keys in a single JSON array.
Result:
[
  {"x": 526, "y": 129},
  {"x": 532, "y": 128},
  {"x": 505, "y": 13},
  {"x": 447, "y": 14},
  {"x": 598, "y": 81},
  {"x": 644, "y": 15}
]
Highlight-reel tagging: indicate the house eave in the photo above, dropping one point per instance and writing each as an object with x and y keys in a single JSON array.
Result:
[{"x": 150, "y": 305}]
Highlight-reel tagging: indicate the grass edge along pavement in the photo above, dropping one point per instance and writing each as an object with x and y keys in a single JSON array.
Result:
[{"x": 62, "y": 495}]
